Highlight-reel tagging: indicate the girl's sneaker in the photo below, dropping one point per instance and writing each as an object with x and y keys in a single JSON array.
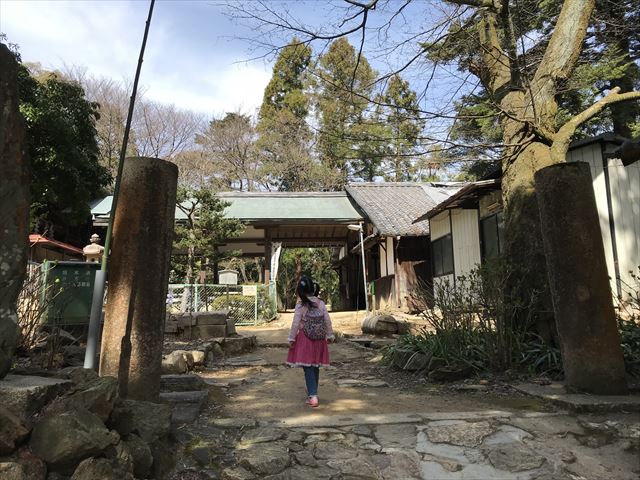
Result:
[{"x": 313, "y": 401}]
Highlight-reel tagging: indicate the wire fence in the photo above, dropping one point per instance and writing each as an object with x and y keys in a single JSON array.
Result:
[{"x": 247, "y": 304}]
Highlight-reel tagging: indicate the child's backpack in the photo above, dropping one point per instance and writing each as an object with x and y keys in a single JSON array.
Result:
[{"x": 314, "y": 327}]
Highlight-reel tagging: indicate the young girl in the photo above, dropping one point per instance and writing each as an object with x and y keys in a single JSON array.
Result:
[{"x": 310, "y": 332}]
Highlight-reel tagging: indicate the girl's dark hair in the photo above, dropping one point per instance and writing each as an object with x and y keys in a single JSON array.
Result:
[
  {"x": 305, "y": 288},
  {"x": 316, "y": 289}
]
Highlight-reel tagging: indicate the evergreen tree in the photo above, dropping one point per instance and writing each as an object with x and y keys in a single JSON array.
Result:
[
  {"x": 404, "y": 125},
  {"x": 344, "y": 83},
  {"x": 284, "y": 141}
]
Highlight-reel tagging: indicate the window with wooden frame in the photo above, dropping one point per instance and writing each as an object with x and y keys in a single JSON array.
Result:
[
  {"x": 442, "y": 255},
  {"x": 491, "y": 235}
]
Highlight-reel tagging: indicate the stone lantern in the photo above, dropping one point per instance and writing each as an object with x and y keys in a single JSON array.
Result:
[{"x": 94, "y": 251}]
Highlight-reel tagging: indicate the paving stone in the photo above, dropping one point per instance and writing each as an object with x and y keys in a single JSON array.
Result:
[
  {"x": 332, "y": 451},
  {"x": 396, "y": 436},
  {"x": 303, "y": 473},
  {"x": 265, "y": 458},
  {"x": 440, "y": 450},
  {"x": 360, "y": 466},
  {"x": 238, "y": 473},
  {"x": 398, "y": 465},
  {"x": 560, "y": 424},
  {"x": 181, "y": 383},
  {"x": 506, "y": 434},
  {"x": 306, "y": 458},
  {"x": 362, "y": 430},
  {"x": 461, "y": 433},
  {"x": 434, "y": 470},
  {"x": 263, "y": 434},
  {"x": 186, "y": 406},
  {"x": 233, "y": 422},
  {"x": 514, "y": 458},
  {"x": 295, "y": 436},
  {"x": 362, "y": 383}
]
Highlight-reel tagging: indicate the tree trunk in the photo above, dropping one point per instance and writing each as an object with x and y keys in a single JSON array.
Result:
[{"x": 523, "y": 249}]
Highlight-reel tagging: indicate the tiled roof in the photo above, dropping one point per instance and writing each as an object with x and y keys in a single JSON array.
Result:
[{"x": 393, "y": 207}]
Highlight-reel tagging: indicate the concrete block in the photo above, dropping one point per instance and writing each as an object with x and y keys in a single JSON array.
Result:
[{"x": 212, "y": 318}]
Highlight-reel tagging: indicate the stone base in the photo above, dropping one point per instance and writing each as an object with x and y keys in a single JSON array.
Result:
[
  {"x": 185, "y": 406},
  {"x": 181, "y": 383},
  {"x": 581, "y": 403},
  {"x": 25, "y": 395}
]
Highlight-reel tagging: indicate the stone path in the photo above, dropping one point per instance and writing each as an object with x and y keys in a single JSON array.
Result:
[{"x": 369, "y": 427}]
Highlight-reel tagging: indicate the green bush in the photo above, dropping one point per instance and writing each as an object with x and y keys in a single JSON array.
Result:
[{"x": 242, "y": 308}]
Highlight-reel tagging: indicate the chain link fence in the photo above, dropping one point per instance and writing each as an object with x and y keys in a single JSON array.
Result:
[{"x": 247, "y": 304}]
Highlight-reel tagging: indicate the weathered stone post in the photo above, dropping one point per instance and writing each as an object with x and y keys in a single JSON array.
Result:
[
  {"x": 138, "y": 277},
  {"x": 14, "y": 206},
  {"x": 578, "y": 279}
]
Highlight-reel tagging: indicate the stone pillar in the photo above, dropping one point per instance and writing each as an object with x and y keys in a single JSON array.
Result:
[
  {"x": 138, "y": 277},
  {"x": 267, "y": 256},
  {"x": 14, "y": 207},
  {"x": 578, "y": 279}
]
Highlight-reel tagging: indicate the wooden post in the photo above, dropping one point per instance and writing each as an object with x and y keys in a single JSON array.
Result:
[{"x": 267, "y": 256}]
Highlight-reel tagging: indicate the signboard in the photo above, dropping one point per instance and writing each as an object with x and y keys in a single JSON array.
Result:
[
  {"x": 228, "y": 277},
  {"x": 249, "y": 290}
]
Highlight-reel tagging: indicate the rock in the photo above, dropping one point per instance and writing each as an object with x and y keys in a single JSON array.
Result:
[
  {"x": 100, "y": 468},
  {"x": 397, "y": 465},
  {"x": 199, "y": 357},
  {"x": 514, "y": 457},
  {"x": 332, "y": 451},
  {"x": 231, "y": 327},
  {"x": 121, "y": 454},
  {"x": 457, "y": 432},
  {"x": 14, "y": 207},
  {"x": 306, "y": 458},
  {"x": 163, "y": 459},
  {"x": 12, "y": 471},
  {"x": 418, "y": 361},
  {"x": 34, "y": 467},
  {"x": 12, "y": 431},
  {"x": 25, "y": 395},
  {"x": 262, "y": 435},
  {"x": 150, "y": 421},
  {"x": 449, "y": 374},
  {"x": 186, "y": 406},
  {"x": 238, "y": 345},
  {"x": 265, "y": 458},
  {"x": 305, "y": 473},
  {"x": 380, "y": 325},
  {"x": 471, "y": 388},
  {"x": 66, "y": 438},
  {"x": 396, "y": 436},
  {"x": 401, "y": 357},
  {"x": 348, "y": 382},
  {"x": 73, "y": 356},
  {"x": 238, "y": 473},
  {"x": 174, "y": 363},
  {"x": 141, "y": 455},
  {"x": 215, "y": 355},
  {"x": 78, "y": 375},
  {"x": 360, "y": 466},
  {"x": 202, "y": 455},
  {"x": 436, "y": 362},
  {"x": 187, "y": 355},
  {"x": 98, "y": 396},
  {"x": 181, "y": 383}
]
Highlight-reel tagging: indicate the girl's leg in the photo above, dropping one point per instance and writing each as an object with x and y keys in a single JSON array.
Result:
[
  {"x": 316, "y": 372},
  {"x": 310, "y": 380}
]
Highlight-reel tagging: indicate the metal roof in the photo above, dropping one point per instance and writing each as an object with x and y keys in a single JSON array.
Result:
[
  {"x": 469, "y": 191},
  {"x": 392, "y": 207},
  {"x": 272, "y": 208}
]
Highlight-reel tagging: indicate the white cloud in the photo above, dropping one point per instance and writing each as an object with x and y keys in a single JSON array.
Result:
[{"x": 184, "y": 65}]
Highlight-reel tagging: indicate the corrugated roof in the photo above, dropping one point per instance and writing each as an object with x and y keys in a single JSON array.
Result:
[{"x": 393, "y": 206}]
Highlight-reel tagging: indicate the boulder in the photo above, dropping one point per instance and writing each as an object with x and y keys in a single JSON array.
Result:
[
  {"x": 33, "y": 466},
  {"x": 141, "y": 455},
  {"x": 100, "y": 468},
  {"x": 163, "y": 459},
  {"x": 98, "y": 396},
  {"x": 380, "y": 325},
  {"x": 78, "y": 375},
  {"x": 264, "y": 459},
  {"x": 25, "y": 395},
  {"x": 174, "y": 363},
  {"x": 12, "y": 431},
  {"x": 186, "y": 406},
  {"x": 450, "y": 374},
  {"x": 12, "y": 471},
  {"x": 199, "y": 357},
  {"x": 150, "y": 421},
  {"x": 187, "y": 355},
  {"x": 231, "y": 327},
  {"x": 215, "y": 354},
  {"x": 121, "y": 454},
  {"x": 66, "y": 438},
  {"x": 238, "y": 345}
]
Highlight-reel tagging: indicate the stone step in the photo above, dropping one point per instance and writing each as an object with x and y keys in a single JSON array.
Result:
[
  {"x": 185, "y": 406},
  {"x": 24, "y": 395},
  {"x": 181, "y": 383}
]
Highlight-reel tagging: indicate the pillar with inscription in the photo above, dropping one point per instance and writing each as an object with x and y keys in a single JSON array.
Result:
[
  {"x": 138, "y": 277},
  {"x": 578, "y": 280}
]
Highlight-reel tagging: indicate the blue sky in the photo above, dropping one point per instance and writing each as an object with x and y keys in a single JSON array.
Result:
[
  {"x": 190, "y": 59},
  {"x": 196, "y": 56}
]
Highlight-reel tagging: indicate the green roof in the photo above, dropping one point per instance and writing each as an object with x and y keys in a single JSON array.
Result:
[
  {"x": 272, "y": 207},
  {"x": 291, "y": 207}
]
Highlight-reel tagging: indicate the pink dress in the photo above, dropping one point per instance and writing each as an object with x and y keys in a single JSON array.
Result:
[{"x": 306, "y": 352}]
